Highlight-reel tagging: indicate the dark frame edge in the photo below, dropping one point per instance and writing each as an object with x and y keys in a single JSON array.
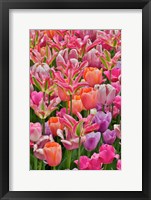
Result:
[{"x": 4, "y": 92}]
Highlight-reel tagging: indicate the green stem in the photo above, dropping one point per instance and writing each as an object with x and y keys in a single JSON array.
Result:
[
  {"x": 40, "y": 164},
  {"x": 35, "y": 163},
  {"x": 69, "y": 153},
  {"x": 54, "y": 168},
  {"x": 66, "y": 107},
  {"x": 43, "y": 165},
  {"x": 71, "y": 105},
  {"x": 79, "y": 153},
  {"x": 105, "y": 167},
  {"x": 103, "y": 108}
]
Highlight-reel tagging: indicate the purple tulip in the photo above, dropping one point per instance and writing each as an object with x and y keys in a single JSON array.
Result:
[
  {"x": 103, "y": 120},
  {"x": 92, "y": 140},
  {"x": 47, "y": 129},
  {"x": 109, "y": 136}
]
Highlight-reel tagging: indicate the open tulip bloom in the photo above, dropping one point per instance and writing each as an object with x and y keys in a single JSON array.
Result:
[{"x": 75, "y": 100}]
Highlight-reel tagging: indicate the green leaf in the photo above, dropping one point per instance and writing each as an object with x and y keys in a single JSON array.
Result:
[
  {"x": 79, "y": 128},
  {"x": 104, "y": 62},
  {"x": 108, "y": 55},
  {"x": 114, "y": 43},
  {"x": 36, "y": 83}
]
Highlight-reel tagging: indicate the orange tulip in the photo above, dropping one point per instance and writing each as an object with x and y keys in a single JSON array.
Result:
[
  {"x": 93, "y": 76},
  {"x": 77, "y": 105},
  {"x": 53, "y": 153},
  {"x": 54, "y": 125},
  {"x": 89, "y": 98}
]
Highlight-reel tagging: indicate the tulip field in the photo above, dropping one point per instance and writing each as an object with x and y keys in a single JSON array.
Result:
[{"x": 75, "y": 99}]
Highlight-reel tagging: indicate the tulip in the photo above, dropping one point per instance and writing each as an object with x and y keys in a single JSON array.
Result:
[
  {"x": 35, "y": 131},
  {"x": 92, "y": 58},
  {"x": 40, "y": 77},
  {"x": 54, "y": 125},
  {"x": 47, "y": 129},
  {"x": 93, "y": 76},
  {"x": 75, "y": 129},
  {"x": 106, "y": 94},
  {"x": 63, "y": 94},
  {"x": 117, "y": 129},
  {"x": 117, "y": 102},
  {"x": 118, "y": 165},
  {"x": 117, "y": 86},
  {"x": 113, "y": 75},
  {"x": 109, "y": 136},
  {"x": 92, "y": 140},
  {"x": 43, "y": 110},
  {"x": 107, "y": 153},
  {"x": 103, "y": 119},
  {"x": 53, "y": 153},
  {"x": 110, "y": 39},
  {"x": 89, "y": 98},
  {"x": 95, "y": 162},
  {"x": 36, "y": 97},
  {"x": 73, "y": 72},
  {"x": 77, "y": 105},
  {"x": 38, "y": 147},
  {"x": 84, "y": 163},
  {"x": 82, "y": 33}
]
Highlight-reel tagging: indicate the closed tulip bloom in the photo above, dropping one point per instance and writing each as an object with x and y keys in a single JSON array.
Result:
[
  {"x": 92, "y": 140},
  {"x": 103, "y": 119},
  {"x": 117, "y": 128},
  {"x": 35, "y": 131},
  {"x": 109, "y": 136},
  {"x": 54, "y": 125},
  {"x": 118, "y": 165},
  {"x": 89, "y": 98},
  {"x": 107, "y": 153},
  {"x": 93, "y": 76},
  {"x": 106, "y": 94},
  {"x": 53, "y": 153},
  {"x": 117, "y": 102},
  {"x": 38, "y": 147},
  {"x": 77, "y": 105},
  {"x": 36, "y": 97}
]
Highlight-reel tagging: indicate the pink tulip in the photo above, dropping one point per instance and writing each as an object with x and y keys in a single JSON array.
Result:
[
  {"x": 43, "y": 110},
  {"x": 73, "y": 73},
  {"x": 70, "y": 139},
  {"x": 118, "y": 165},
  {"x": 84, "y": 162},
  {"x": 95, "y": 162},
  {"x": 113, "y": 75},
  {"x": 35, "y": 131},
  {"x": 36, "y": 97},
  {"x": 40, "y": 77},
  {"x": 106, "y": 94},
  {"x": 117, "y": 102},
  {"x": 92, "y": 58},
  {"x": 117, "y": 86},
  {"x": 107, "y": 153},
  {"x": 117, "y": 129}
]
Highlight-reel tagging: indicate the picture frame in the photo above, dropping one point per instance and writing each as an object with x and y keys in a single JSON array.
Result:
[{"x": 4, "y": 100}]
